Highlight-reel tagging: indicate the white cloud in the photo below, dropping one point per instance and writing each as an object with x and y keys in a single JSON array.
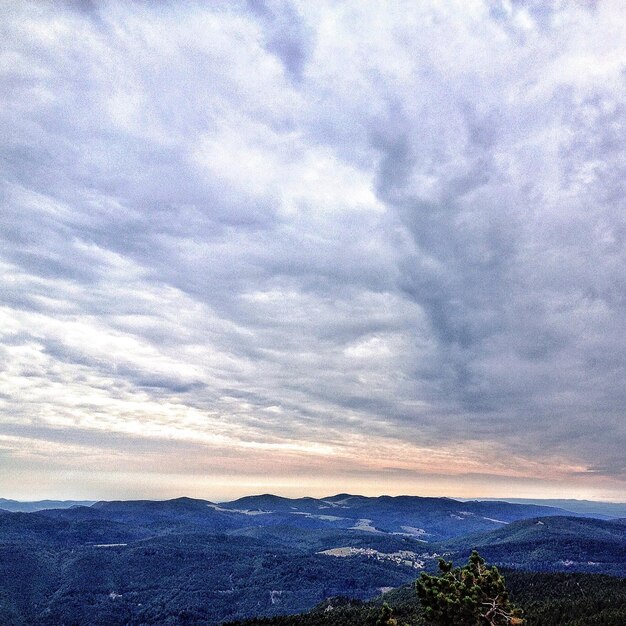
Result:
[{"x": 318, "y": 226}]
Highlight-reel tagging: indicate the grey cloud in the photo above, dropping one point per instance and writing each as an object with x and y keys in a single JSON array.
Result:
[
  {"x": 473, "y": 276},
  {"x": 113, "y": 369},
  {"x": 287, "y": 35},
  {"x": 167, "y": 186}
]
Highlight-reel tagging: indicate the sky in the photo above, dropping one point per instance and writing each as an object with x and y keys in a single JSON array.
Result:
[{"x": 312, "y": 247}]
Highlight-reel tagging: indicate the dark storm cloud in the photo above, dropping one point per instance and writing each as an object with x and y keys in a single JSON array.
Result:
[{"x": 304, "y": 223}]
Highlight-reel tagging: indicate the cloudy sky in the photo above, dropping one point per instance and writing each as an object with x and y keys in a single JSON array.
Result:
[{"x": 310, "y": 247}]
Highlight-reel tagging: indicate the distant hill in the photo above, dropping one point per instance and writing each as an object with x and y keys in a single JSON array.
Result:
[
  {"x": 590, "y": 508},
  {"x": 39, "y": 505},
  {"x": 426, "y": 519},
  {"x": 551, "y": 544}
]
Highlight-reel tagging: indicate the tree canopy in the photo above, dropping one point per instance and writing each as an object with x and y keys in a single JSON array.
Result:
[{"x": 473, "y": 595}]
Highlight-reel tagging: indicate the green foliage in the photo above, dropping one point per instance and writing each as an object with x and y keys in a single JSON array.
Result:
[
  {"x": 559, "y": 599},
  {"x": 385, "y": 617},
  {"x": 474, "y": 595},
  {"x": 548, "y": 599}
]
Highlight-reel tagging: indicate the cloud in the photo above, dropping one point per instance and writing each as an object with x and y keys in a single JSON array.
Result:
[
  {"x": 286, "y": 34},
  {"x": 272, "y": 227}
]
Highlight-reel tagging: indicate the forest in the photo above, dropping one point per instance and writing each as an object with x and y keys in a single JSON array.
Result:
[
  {"x": 190, "y": 562},
  {"x": 547, "y": 599}
]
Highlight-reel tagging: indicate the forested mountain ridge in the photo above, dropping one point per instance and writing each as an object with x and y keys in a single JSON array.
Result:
[
  {"x": 426, "y": 519},
  {"x": 190, "y": 561},
  {"x": 551, "y": 544}
]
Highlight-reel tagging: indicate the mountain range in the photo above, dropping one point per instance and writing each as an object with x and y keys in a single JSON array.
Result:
[
  {"x": 40, "y": 505},
  {"x": 194, "y": 561}
]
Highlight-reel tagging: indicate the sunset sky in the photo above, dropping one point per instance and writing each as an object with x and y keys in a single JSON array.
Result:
[{"x": 313, "y": 247}]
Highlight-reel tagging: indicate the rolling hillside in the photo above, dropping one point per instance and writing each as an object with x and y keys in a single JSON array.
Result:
[
  {"x": 190, "y": 561},
  {"x": 551, "y": 544}
]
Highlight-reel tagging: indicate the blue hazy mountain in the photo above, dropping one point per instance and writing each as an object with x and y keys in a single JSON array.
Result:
[
  {"x": 38, "y": 505},
  {"x": 427, "y": 519},
  {"x": 606, "y": 510},
  {"x": 424, "y": 519},
  {"x": 192, "y": 561}
]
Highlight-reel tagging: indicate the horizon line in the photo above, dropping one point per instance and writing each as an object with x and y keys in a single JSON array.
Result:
[{"x": 346, "y": 494}]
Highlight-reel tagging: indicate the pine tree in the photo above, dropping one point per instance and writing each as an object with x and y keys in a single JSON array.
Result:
[
  {"x": 474, "y": 595},
  {"x": 385, "y": 618}
]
